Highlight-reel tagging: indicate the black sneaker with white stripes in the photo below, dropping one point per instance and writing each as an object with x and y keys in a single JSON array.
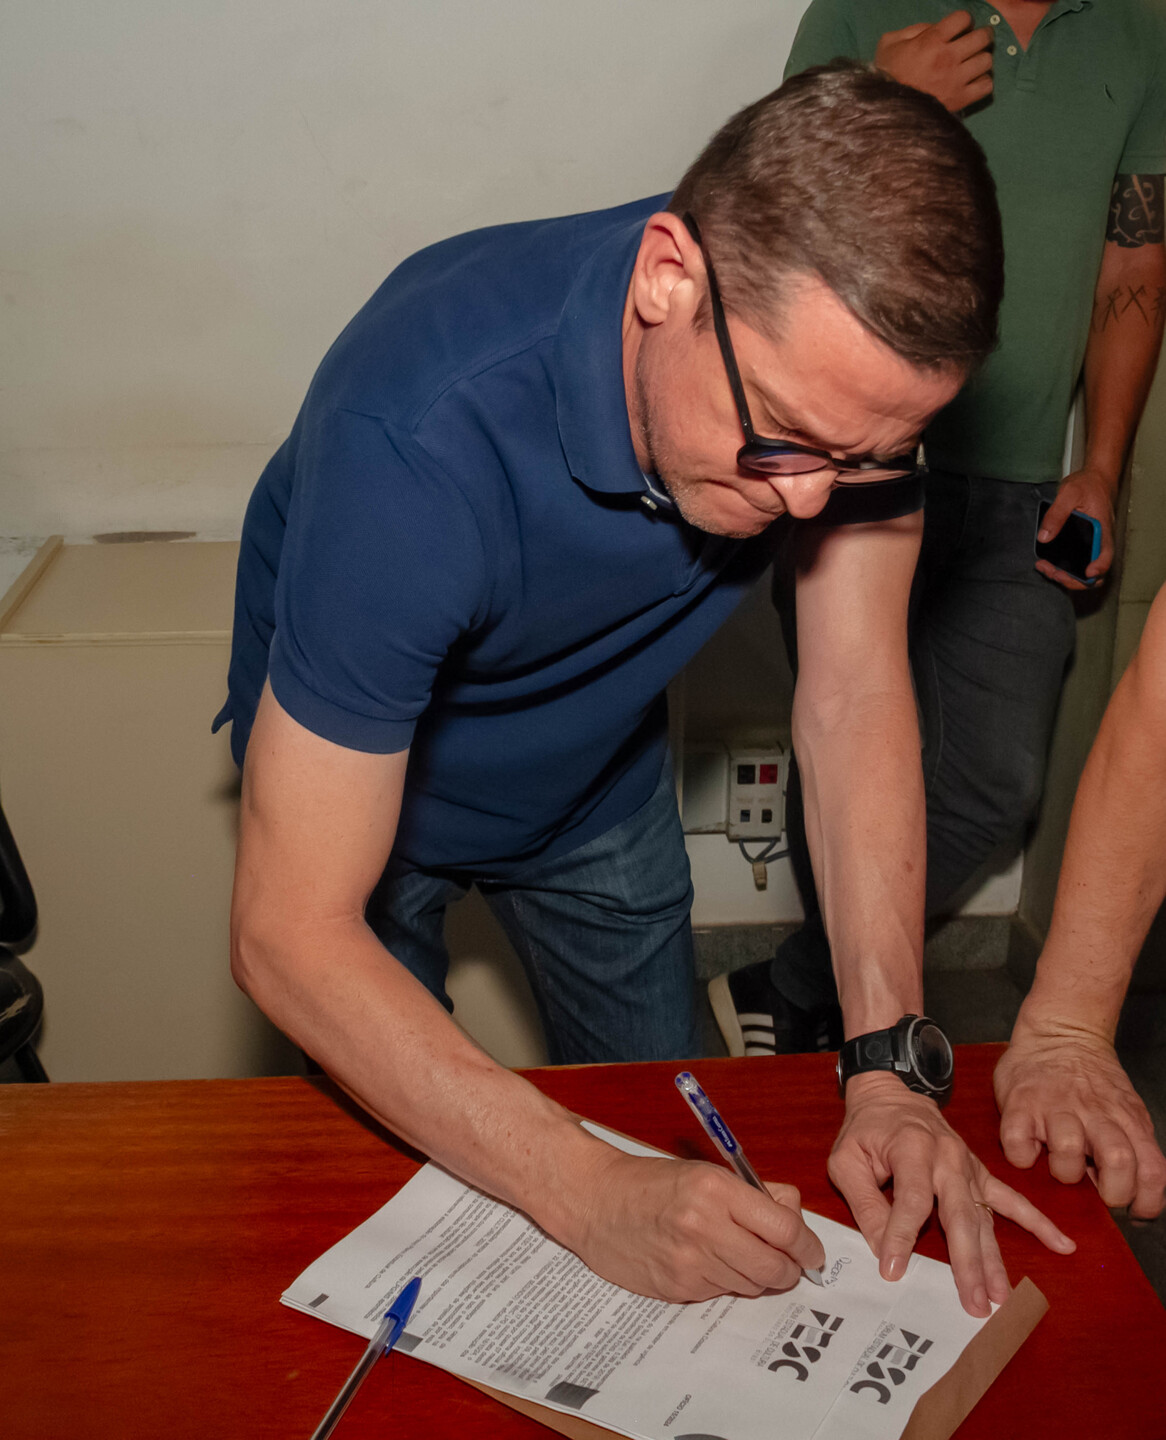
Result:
[{"x": 755, "y": 1018}]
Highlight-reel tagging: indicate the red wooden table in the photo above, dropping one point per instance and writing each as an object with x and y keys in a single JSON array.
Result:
[{"x": 149, "y": 1229}]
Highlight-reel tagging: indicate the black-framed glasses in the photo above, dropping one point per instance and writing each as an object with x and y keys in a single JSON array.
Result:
[{"x": 787, "y": 457}]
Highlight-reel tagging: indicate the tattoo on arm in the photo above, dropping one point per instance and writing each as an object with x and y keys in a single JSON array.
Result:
[
  {"x": 1146, "y": 301},
  {"x": 1135, "y": 219},
  {"x": 1135, "y": 211}
]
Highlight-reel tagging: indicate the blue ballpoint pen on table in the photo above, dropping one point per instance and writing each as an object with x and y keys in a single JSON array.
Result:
[
  {"x": 388, "y": 1332},
  {"x": 725, "y": 1141}
]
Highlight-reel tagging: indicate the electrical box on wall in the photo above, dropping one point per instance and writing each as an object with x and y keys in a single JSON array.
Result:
[{"x": 756, "y": 794}]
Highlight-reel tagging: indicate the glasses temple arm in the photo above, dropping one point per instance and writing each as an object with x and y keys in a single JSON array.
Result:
[{"x": 722, "y": 333}]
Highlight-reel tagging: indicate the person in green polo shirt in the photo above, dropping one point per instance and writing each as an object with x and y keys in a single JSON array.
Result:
[{"x": 1068, "y": 100}]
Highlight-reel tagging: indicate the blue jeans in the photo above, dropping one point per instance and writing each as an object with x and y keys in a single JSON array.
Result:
[
  {"x": 603, "y": 934},
  {"x": 990, "y": 639}
]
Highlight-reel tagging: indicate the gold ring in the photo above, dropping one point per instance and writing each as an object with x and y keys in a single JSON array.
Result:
[{"x": 983, "y": 1205}]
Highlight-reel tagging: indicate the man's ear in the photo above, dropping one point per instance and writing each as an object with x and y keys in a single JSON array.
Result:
[{"x": 669, "y": 271}]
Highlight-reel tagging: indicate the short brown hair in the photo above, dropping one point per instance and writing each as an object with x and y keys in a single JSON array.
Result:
[{"x": 845, "y": 174}]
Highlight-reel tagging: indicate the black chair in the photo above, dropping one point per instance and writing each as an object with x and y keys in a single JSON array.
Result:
[{"x": 21, "y": 996}]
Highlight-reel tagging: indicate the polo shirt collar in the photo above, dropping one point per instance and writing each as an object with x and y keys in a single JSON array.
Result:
[
  {"x": 588, "y": 359},
  {"x": 1061, "y": 7}
]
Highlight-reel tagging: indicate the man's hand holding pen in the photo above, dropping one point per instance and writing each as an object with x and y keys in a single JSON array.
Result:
[{"x": 686, "y": 1230}]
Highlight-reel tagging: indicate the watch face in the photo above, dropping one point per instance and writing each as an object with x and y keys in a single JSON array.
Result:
[{"x": 933, "y": 1058}]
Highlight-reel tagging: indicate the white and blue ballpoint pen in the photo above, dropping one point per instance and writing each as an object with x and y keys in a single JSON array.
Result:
[
  {"x": 725, "y": 1141},
  {"x": 388, "y": 1332}
]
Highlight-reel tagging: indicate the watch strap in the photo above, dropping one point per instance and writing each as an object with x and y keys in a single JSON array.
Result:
[
  {"x": 873, "y": 1051},
  {"x": 890, "y": 1050}
]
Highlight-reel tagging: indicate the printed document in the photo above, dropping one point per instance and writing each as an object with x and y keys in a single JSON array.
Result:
[{"x": 504, "y": 1305}]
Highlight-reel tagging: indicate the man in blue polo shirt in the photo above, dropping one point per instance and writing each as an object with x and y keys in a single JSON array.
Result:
[{"x": 515, "y": 501}]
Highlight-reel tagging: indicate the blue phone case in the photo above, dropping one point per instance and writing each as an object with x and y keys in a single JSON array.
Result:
[{"x": 1075, "y": 547}]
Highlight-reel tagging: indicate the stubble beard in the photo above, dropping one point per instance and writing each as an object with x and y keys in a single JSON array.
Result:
[{"x": 689, "y": 495}]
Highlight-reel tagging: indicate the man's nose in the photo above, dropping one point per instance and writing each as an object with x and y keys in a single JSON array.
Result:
[{"x": 806, "y": 494}]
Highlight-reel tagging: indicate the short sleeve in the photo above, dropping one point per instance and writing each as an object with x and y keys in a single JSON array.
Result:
[
  {"x": 825, "y": 32},
  {"x": 1145, "y": 147},
  {"x": 382, "y": 571}
]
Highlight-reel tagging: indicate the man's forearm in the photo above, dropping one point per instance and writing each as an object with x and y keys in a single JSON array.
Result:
[
  {"x": 1122, "y": 352},
  {"x": 1113, "y": 876},
  {"x": 865, "y": 822},
  {"x": 380, "y": 1034},
  {"x": 856, "y": 736},
  {"x": 316, "y": 823},
  {"x": 857, "y": 740},
  {"x": 673, "y": 1230},
  {"x": 874, "y": 903}
]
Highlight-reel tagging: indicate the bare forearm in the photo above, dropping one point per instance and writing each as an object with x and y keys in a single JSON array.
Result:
[
  {"x": 1113, "y": 876},
  {"x": 1119, "y": 368},
  {"x": 316, "y": 824},
  {"x": 1126, "y": 331},
  {"x": 865, "y": 823},
  {"x": 374, "y": 1028},
  {"x": 857, "y": 741},
  {"x": 672, "y": 1230},
  {"x": 1122, "y": 352}
]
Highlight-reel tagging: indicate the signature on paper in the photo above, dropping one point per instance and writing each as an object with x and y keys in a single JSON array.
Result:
[{"x": 836, "y": 1270}]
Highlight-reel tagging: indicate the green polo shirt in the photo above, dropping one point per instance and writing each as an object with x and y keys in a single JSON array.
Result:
[{"x": 1085, "y": 102}]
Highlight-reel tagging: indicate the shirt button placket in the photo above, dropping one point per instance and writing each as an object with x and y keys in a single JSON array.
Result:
[{"x": 1026, "y": 72}]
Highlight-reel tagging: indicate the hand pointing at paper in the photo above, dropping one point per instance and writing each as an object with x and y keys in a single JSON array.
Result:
[{"x": 891, "y": 1133}]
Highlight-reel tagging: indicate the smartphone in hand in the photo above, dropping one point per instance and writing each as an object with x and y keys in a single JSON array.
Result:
[{"x": 1074, "y": 548}]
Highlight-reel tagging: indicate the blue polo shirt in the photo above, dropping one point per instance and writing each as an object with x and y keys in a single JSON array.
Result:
[{"x": 456, "y": 552}]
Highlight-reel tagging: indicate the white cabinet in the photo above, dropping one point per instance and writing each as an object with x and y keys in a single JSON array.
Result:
[{"x": 113, "y": 662}]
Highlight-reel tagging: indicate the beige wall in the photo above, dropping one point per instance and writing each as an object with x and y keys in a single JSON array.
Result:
[{"x": 198, "y": 197}]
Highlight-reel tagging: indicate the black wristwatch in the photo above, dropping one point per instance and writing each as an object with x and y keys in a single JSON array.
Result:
[{"x": 916, "y": 1050}]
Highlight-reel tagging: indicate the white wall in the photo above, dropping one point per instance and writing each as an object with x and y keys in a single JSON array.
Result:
[{"x": 198, "y": 196}]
